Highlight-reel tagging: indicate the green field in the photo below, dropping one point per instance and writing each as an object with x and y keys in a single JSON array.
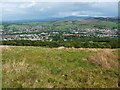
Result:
[{"x": 38, "y": 67}]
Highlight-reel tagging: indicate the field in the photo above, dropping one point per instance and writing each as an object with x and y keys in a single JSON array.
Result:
[{"x": 38, "y": 67}]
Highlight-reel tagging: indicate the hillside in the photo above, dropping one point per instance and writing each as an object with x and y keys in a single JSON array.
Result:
[
  {"x": 78, "y": 33},
  {"x": 38, "y": 67}
]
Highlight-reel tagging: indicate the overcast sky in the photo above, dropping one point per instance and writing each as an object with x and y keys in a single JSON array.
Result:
[{"x": 42, "y": 10}]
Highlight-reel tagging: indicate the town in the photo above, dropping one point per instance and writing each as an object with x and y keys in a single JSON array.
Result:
[
  {"x": 26, "y": 35},
  {"x": 62, "y": 28}
]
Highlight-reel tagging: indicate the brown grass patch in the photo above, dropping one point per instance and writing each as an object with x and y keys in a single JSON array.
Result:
[
  {"x": 15, "y": 67},
  {"x": 104, "y": 58},
  {"x": 4, "y": 48}
]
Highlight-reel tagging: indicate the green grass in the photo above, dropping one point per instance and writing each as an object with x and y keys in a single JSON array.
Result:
[{"x": 38, "y": 67}]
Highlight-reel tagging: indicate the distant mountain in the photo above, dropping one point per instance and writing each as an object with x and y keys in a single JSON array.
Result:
[
  {"x": 68, "y": 18},
  {"x": 61, "y": 18}
]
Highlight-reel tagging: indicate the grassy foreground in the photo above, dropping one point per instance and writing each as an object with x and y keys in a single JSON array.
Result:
[{"x": 37, "y": 67}]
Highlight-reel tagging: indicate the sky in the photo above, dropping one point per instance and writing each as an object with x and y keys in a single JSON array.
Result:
[{"x": 34, "y": 9}]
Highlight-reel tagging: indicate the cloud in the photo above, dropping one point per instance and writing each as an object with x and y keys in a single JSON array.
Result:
[
  {"x": 41, "y": 9},
  {"x": 78, "y": 13},
  {"x": 44, "y": 10},
  {"x": 61, "y": 0},
  {"x": 73, "y": 13},
  {"x": 28, "y": 5}
]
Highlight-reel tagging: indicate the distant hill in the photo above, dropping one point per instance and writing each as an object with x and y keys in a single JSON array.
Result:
[{"x": 62, "y": 18}]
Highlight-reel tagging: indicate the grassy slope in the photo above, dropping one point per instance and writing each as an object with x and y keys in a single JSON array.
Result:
[
  {"x": 45, "y": 67},
  {"x": 63, "y": 26}
]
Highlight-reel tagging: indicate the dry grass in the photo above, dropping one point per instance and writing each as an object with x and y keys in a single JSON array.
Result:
[
  {"x": 104, "y": 58},
  {"x": 4, "y": 48},
  {"x": 16, "y": 67}
]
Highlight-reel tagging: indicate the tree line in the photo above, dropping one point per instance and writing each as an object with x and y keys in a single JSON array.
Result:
[{"x": 82, "y": 43}]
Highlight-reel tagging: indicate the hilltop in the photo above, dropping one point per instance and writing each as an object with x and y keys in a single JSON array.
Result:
[{"x": 38, "y": 67}]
